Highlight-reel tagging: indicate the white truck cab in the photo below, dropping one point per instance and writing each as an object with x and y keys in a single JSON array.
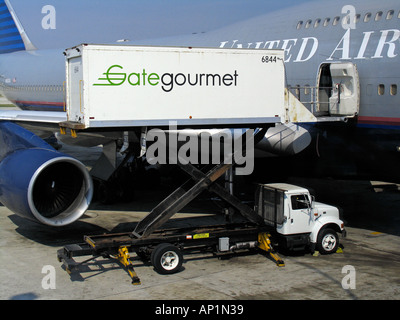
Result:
[{"x": 297, "y": 219}]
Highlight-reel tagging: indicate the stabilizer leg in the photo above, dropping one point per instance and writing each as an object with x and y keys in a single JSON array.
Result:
[
  {"x": 124, "y": 258},
  {"x": 265, "y": 244}
]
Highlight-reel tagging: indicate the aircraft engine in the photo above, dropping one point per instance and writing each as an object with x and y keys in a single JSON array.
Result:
[
  {"x": 38, "y": 182},
  {"x": 285, "y": 140}
]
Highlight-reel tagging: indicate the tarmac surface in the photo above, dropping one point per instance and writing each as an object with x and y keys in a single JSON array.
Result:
[{"x": 368, "y": 268}]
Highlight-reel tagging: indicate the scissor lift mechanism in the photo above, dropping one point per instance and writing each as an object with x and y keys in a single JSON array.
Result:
[{"x": 165, "y": 247}]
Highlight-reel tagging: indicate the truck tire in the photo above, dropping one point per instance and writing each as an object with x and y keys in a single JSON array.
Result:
[
  {"x": 327, "y": 241},
  {"x": 166, "y": 258}
]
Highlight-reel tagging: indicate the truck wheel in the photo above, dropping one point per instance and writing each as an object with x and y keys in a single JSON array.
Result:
[
  {"x": 166, "y": 258},
  {"x": 327, "y": 241}
]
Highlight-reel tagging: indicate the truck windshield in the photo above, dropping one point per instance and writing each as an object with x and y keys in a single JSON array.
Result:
[{"x": 300, "y": 201}]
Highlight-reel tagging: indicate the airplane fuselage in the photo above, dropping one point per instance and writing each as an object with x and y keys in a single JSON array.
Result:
[{"x": 314, "y": 37}]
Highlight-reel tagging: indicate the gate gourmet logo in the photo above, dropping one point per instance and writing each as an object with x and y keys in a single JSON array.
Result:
[{"x": 115, "y": 77}]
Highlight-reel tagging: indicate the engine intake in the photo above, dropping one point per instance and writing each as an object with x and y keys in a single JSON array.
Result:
[
  {"x": 45, "y": 185},
  {"x": 38, "y": 182}
]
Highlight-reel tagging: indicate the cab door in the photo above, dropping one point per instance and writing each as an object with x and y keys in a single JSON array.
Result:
[{"x": 300, "y": 214}]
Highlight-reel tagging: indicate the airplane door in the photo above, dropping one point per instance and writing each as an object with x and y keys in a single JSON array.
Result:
[
  {"x": 324, "y": 89},
  {"x": 343, "y": 98}
]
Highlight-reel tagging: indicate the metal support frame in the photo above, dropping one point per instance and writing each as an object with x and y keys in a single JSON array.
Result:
[
  {"x": 187, "y": 192},
  {"x": 190, "y": 239}
]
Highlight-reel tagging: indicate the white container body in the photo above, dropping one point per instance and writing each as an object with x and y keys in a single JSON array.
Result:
[{"x": 131, "y": 86}]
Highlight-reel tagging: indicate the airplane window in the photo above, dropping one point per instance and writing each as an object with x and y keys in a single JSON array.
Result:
[
  {"x": 393, "y": 89},
  {"x": 326, "y": 22},
  {"x": 308, "y": 24},
  {"x": 381, "y": 89},
  {"x": 297, "y": 91},
  {"x": 357, "y": 18},
  {"x": 367, "y": 17},
  {"x": 378, "y": 16},
  {"x": 317, "y": 22},
  {"x": 299, "y": 24},
  {"x": 336, "y": 21},
  {"x": 346, "y": 20},
  {"x": 390, "y": 15},
  {"x": 398, "y": 16}
]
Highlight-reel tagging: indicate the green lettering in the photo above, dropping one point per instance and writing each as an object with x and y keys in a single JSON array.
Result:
[
  {"x": 121, "y": 77},
  {"x": 144, "y": 76},
  {"x": 153, "y": 77},
  {"x": 137, "y": 83}
]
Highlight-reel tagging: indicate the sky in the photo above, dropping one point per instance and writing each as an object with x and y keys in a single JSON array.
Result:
[{"x": 68, "y": 23}]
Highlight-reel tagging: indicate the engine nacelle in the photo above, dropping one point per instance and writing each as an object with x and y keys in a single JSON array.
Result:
[
  {"x": 42, "y": 184},
  {"x": 285, "y": 140}
]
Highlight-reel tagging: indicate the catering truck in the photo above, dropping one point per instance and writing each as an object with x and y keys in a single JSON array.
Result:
[
  {"x": 298, "y": 221},
  {"x": 130, "y": 87}
]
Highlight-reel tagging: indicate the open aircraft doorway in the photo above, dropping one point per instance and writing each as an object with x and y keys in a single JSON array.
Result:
[{"x": 338, "y": 90}]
